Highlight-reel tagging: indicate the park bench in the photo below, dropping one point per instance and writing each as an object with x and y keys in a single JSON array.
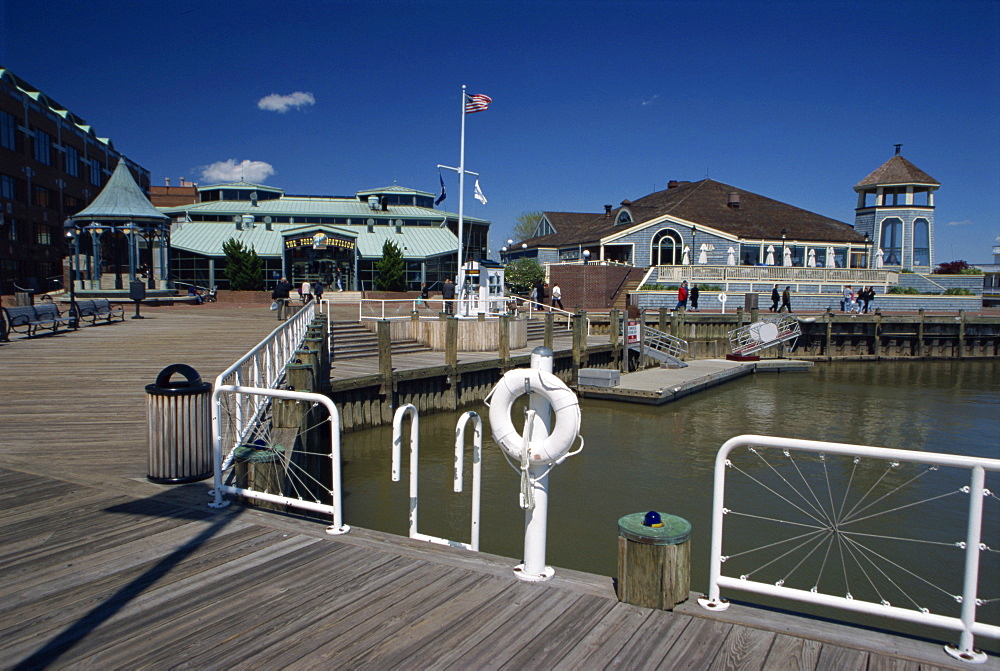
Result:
[
  {"x": 29, "y": 318},
  {"x": 98, "y": 308}
]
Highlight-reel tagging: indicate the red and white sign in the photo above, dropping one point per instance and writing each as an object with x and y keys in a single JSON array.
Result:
[{"x": 632, "y": 332}]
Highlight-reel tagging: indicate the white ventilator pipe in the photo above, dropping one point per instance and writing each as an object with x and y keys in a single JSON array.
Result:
[{"x": 536, "y": 518}]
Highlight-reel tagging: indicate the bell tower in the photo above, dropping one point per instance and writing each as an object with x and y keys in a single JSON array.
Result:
[{"x": 896, "y": 212}]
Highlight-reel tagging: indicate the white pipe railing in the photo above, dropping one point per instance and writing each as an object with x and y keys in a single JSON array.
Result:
[
  {"x": 966, "y": 623},
  {"x": 334, "y": 508},
  {"x": 774, "y": 274},
  {"x": 477, "y": 452},
  {"x": 262, "y": 367}
]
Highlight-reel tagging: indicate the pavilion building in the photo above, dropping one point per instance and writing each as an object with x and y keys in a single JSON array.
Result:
[{"x": 309, "y": 238}]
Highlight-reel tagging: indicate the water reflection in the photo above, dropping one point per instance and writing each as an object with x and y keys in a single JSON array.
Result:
[{"x": 639, "y": 458}]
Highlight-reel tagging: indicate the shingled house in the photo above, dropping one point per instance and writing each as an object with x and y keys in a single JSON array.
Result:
[{"x": 704, "y": 223}]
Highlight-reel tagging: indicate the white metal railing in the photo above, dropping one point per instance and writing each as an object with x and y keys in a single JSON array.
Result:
[
  {"x": 775, "y": 274},
  {"x": 808, "y": 514},
  {"x": 767, "y": 332},
  {"x": 375, "y": 309},
  {"x": 477, "y": 458},
  {"x": 293, "y": 468},
  {"x": 262, "y": 367},
  {"x": 664, "y": 342}
]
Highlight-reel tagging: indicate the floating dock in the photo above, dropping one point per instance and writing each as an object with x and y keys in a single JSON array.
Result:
[{"x": 656, "y": 386}]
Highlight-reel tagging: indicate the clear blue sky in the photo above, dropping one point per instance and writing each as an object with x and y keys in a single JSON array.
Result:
[{"x": 594, "y": 102}]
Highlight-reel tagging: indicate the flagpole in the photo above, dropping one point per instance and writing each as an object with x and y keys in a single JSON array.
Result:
[{"x": 461, "y": 180}]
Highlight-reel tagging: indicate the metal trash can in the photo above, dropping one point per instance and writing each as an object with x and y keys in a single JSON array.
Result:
[{"x": 180, "y": 426}]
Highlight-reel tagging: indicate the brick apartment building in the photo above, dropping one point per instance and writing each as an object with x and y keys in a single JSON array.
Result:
[{"x": 52, "y": 164}]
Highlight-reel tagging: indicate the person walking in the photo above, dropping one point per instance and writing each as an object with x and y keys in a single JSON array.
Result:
[
  {"x": 448, "y": 294},
  {"x": 786, "y": 300},
  {"x": 682, "y": 296},
  {"x": 540, "y": 294},
  {"x": 280, "y": 295},
  {"x": 317, "y": 290},
  {"x": 845, "y": 305},
  {"x": 693, "y": 295},
  {"x": 338, "y": 277},
  {"x": 306, "y": 292},
  {"x": 774, "y": 299},
  {"x": 557, "y": 296},
  {"x": 868, "y": 298}
]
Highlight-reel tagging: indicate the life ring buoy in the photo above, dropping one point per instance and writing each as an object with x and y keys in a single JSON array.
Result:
[{"x": 564, "y": 404}]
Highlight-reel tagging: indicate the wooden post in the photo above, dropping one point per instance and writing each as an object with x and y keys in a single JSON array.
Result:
[
  {"x": 829, "y": 333},
  {"x": 676, "y": 321},
  {"x": 878, "y": 336},
  {"x": 615, "y": 327},
  {"x": 451, "y": 361},
  {"x": 386, "y": 388},
  {"x": 961, "y": 334},
  {"x": 654, "y": 562},
  {"x": 661, "y": 323},
  {"x": 920, "y": 334},
  {"x": 550, "y": 325},
  {"x": 581, "y": 324},
  {"x": 754, "y": 314},
  {"x": 504, "y": 342},
  {"x": 300, "y": 376}
]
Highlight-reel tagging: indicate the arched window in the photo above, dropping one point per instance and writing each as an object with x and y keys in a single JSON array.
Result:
[
  {"x": 921, "y": 242},
  {"x": 624, "y": 217},
  {"x": 891, "y": 241},
  {"x": 667, "y": 248}
]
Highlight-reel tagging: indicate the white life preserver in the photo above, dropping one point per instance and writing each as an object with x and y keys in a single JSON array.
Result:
[{"x": 564, "y": 404}]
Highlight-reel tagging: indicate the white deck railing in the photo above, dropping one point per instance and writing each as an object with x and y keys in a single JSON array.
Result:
[
  {"x": 774, "y": 275},
  {"x": 294, "y": 474},
  {"x": 857, "y": 528}
]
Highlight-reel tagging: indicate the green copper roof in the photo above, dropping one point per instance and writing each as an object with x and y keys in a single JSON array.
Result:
[{"x": 121, "y": 199}]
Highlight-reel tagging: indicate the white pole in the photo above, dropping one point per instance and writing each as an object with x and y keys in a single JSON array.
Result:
[
  {"x": 536, "y": 519},
  {"x": 461, "y": 183}
]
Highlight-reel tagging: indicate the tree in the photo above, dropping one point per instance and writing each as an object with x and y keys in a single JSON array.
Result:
[
  {"x": 244, "y": 267},
  {"x": 523, "y": 274},
  {"x": 525, "y": 226},
  {"x": 390, "y": 270},
  {"x": 956, "y": 268}
]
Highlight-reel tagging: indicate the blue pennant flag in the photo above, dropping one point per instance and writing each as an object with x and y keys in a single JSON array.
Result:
[{"x": 443, "y": 195}]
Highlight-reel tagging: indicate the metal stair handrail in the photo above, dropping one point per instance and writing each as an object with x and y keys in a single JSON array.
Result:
[
  {"x": 750, "y": 339},
  {"x": 664, "y": 342}
]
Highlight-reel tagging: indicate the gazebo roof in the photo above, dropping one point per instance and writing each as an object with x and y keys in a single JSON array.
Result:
[{"x": 121, "y": 199}]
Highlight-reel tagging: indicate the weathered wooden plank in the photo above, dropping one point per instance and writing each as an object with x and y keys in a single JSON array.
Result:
[
  {"x": 542, "y": 652},
  {"x": 602, "y": 641},
  {"x": 744, "y": 649},
  {"x": 837, "y": 658},
  {"x": 790, "y": 653},
  {"x": 697, "y": 645},
  {"x": 652, "y": 641}
]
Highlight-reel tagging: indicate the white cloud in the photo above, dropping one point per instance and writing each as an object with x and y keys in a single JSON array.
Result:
[
  {"x": 650, "y": 101},
  {"x": 959, "y": 223},
  {"x": 231, "y": 171},
  {"x": 281, "y": 104}
]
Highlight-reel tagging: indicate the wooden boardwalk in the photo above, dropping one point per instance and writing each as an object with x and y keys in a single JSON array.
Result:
[{"x": 100, "y": 569}]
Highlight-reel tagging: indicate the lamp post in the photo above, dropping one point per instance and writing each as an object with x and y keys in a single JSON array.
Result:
[
  {"x": 503, "y": 255},
  {"x": 71, "y": 243},
  {"x": 130, "y": 229},
  {"x": 586, "y": 256},
  {"x": 783, "y": 234}
]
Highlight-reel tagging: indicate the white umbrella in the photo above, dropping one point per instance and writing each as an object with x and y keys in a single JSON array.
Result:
[
  {"x": 878, "y": 258},
  {"x": 731, "y": 257},
  {"x": 686, "y": 259},
  {"x": 769, "y": 260},
  {"x": 703, "y": 254},
  {"x": 788, "y": 257},
  {"x": 811, "y": 262},
  {"x": 831, "y": 260}
]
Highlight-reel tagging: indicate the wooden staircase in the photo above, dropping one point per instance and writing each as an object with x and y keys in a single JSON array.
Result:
[
  {"x": 621, "y": 299},
  {"x": 351, "y": 340}
]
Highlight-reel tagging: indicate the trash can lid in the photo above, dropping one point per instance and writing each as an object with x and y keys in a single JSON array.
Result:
[
  {"x": 674, "y": 530},
  {"x": 191, "y": 384}
]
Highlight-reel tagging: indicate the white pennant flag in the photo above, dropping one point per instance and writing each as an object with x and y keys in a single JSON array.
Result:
[{"x": 477, "y": 193}]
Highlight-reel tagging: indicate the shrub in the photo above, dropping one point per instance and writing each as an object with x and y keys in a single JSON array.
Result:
[
  {"x": 903, "y": 290},
  {"x": 958, "y": 291},
  {"x": 957, "y": 268},
  {"x": 523, "y": 274},
  {"x": 244, "y": 268},
  {"x": 390, "y": 269}
]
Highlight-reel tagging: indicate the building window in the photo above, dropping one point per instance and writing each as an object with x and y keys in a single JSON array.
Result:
[
  {"x": 95, "y": 172},
  {"x": 43, "y": 147},
  {"x": 624, "y": 217},
  {"x": 72, "y": 161},
  {"x": 12, "y": 231},
  {"x": 667, "y": 248},
  {"x": 44, "y": 235},
  {"x": 921, "y": 242},
  {"x": 8, "y": 131},
  {"x": 41, "y": 197},
  {"x": 543, "y": 228},
  {"x": 891, "y": 241},
  {"x": 72, "y": 204},
  {"x": 8, "y": 187}
]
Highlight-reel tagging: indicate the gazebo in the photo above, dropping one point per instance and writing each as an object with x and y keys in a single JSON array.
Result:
[{"x": 119, "y": 221}]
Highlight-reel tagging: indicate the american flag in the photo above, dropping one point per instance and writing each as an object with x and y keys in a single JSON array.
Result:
[{"x": 477, "y": 103}]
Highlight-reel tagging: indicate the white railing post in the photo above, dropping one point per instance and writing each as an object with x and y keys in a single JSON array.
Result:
[
  {"x": 477, "y": 467},
  {"x": 966, "y": 650},
  {"x": 536, "y": 518}
]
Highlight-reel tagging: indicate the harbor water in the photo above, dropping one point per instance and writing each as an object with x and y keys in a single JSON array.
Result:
[{"x": 638, "y": 458}]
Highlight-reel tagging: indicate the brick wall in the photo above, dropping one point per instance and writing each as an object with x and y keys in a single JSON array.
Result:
[{"x": 591, "y": 286}]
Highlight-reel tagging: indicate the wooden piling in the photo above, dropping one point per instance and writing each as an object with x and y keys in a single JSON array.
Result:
[{"x": 654, "y": 562}]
